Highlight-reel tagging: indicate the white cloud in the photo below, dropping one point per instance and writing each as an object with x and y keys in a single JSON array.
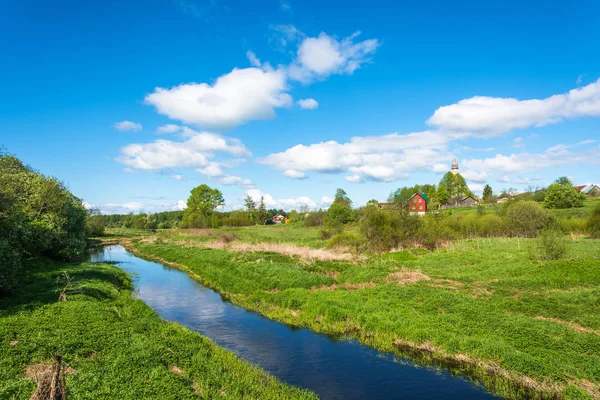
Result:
[
  {"x": 473, "y": 176},
  {"x": 282, "y": 35},
  {"x": 476, "y": 187},
  {"x": 177, "y": 177},
  {"x": 235, "y": 180},
  {"x": 194, "y": 152},
  {"x": 308, "y": 104},
  {"x": 285, "y": 203},
  {"x": 319, "y": 57},
  {"x": 235, "y": 98},
  {"x": 491, "y": 116},
  {"x": 285, "y": 6},
  {"x": 525, "y": 162},
  {"x": 379, "y": 158},
  {"x": 128, "y": 126},
  {"x": 518, "y": 142},
  {"x": 293, "y": 174},
  {"x": 137, "y": 207},
  {"x": 213, "y": 169},
  {"x": 254, "y": 61},
  {"x": 168, "y": 128},
  {"x": 354, "y": 178}
]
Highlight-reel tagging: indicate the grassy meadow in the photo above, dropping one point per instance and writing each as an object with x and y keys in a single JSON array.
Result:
[
  {"x": 488, "y": 308},
  {"x": 113, "y": 346}
]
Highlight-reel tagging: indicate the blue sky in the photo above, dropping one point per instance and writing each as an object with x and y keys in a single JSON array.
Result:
[{"x": 133, "y": 103}]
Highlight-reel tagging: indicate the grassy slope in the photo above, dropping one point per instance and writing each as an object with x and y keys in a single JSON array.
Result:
[
  {"x": 581, "y": 212},
  {"x": 119, "y": 346},
  {"x": 481, "y": 300}
]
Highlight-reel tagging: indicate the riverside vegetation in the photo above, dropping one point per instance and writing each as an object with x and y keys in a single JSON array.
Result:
[
  {"x": 506, "y": 294},
  {"x": 73, "y": 329}
]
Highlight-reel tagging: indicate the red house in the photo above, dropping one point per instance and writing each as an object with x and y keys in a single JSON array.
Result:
[{"x": 418, "y": 203}]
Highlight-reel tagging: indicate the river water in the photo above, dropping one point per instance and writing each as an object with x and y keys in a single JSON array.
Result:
[{"x": 334, "y": 369}]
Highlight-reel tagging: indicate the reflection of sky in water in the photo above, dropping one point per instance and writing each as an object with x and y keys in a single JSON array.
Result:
[{"x": 333, "y": 369}]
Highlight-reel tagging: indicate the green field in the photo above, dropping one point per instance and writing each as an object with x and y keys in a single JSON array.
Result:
[
  {"x": 113, "y": 346},
  {"x": 486, "y": 307}
]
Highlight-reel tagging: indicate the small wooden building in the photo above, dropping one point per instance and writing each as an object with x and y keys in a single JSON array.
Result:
[
  {"x": 467, "y": 201},
  {"x": 417, "y": 204}
]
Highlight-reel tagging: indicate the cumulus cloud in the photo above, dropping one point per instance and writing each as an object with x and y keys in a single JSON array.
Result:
[
  {"x": 527, "y": 162},
  {"x": 308, "y": 104},
  {"x": 177, "y": 177},
  {"x": 235, "y": 98},
  {"x": 288, "y": 203},
  {"x": 194, "y": 152},
  {"x": 321, "y": 56},
  {"x": 124, "y": 126},
  {"x": 235, "y": 180},
  {"x": 378, "y": 158},
  {"x": 168, "y": 128},
  {"x": 254, "y": 61},
  {"x": 490, "y": 116},
  {"x": 137, "y": 207},
  {"x": 293, "y": 174}
]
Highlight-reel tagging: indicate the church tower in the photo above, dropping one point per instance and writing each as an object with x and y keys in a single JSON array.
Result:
[{"x": 454, "y": 166}]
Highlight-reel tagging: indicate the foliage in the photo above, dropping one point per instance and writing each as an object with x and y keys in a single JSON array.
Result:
[
  {"x": 455, "y": 186},
  {"x": 341, "y": 198},
  {"x": 94, "y": 223},
  {"x": 487, "y": 193},
  {"x": 261, "y": 213},
  {"x": 346, "y": 239},
  {"x": 250, "y": 208},
  {"x": 565, "y": 181},
  {"x": 539, "y": 195},
  {"x": 314, "y": 218},
  {"x": 527, "y": 218},
  {"x": 551, "y": 245},
  {"x": 562, "y": 196},
  {"x": 442, "y": 194},
  {"x": 593, "y": 223},
  {"x": 38, "y": 215},
  {"x": 200, "y": 206}
]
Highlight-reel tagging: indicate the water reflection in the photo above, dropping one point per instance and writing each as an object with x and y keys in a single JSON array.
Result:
[{"x": 331, "y": 368}]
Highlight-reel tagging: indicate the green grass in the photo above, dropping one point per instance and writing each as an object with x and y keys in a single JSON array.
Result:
[
  {"x": 119, "y": 346},
  {"x": 483, "y": 299}
]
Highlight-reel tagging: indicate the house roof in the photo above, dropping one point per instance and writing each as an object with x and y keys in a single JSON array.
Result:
[
  {"x": 423, "y": 195},
  {"x": 580, "y": 188}
]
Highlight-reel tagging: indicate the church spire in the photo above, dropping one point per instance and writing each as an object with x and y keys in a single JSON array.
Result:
[{"x": 454, "y": 166}]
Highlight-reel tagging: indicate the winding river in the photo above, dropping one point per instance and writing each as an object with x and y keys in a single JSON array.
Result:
[{"x": 334, "y": 369}]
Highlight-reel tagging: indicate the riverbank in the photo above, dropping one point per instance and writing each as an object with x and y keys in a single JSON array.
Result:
[
  {"x": 482, "y": 307},
  {"x": 111, "y": 344}
]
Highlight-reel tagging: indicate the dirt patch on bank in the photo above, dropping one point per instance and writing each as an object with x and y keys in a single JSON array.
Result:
[
  {"x": 571, "y": 325},
  {"x": 285, "y": 249},
  {"x": 49, "y": 379},
  {"x": 407, "y": 277}
]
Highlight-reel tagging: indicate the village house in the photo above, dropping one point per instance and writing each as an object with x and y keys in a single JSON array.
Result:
[
  {"x": 592, "y": 190},
  {"x": 417, "y": 204},
  {"x": 278, "y": 219},
  {"x": 467, "y": 201}
]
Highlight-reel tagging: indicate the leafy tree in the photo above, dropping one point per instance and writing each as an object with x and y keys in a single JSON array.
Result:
[
  {"x": 456, "y": 186},
  {"x": 373, "y": 202},
  {"x": 487, "y": 193},
  {"x": 593, "y": 223},
  {"x": 563, "y": 196},
  {"x": 94, "y": 223},
  {"x": 565, "y": 181},
  {"x": 341, "y": 198},
  {"x": 261, "y": 214},
  {"x": 200, "y": 206},
  {"x": 250, "y": 208},
  {"x": 442, "y": 194},
  {"x": 527, "y": 218}
]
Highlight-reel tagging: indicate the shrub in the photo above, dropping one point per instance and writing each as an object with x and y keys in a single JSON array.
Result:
[
  {"x": 345, "y": 239},
  {"x": 8, "y": 266},
  {"x": 573, "y": 225},
  {"x": 435, "y": 231},
  {"x": 314, "y": 218},
  {"x": 561, "y": 196},
  {"x": 384, "y": 229},
  {"x": 527, "y": 218},
  {"x": 551, "y": 245},
  {"x": 325, "y": 234},
  {"x": 593, "y": 223}
]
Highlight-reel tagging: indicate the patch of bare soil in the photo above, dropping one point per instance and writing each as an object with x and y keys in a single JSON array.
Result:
[
  {"x": 280, "y": 248},
  {"x": 407, "y": 277},
  {"x": 571, "y": 325}
]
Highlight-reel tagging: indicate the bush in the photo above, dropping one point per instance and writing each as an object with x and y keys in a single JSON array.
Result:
[
  {"x": 314, "y": 218},
  {"x": 551, "y": 245},
  {"x": 435, "y": 231},
  {"x": 345, "y": 239},
  {"x": 8, "y": 266},
  {"x": 325, "y": 234},
  {"x": 527, "y": 218},
  {"x": 561, "y": 196},
  {"x": 593, "y": 223}
]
